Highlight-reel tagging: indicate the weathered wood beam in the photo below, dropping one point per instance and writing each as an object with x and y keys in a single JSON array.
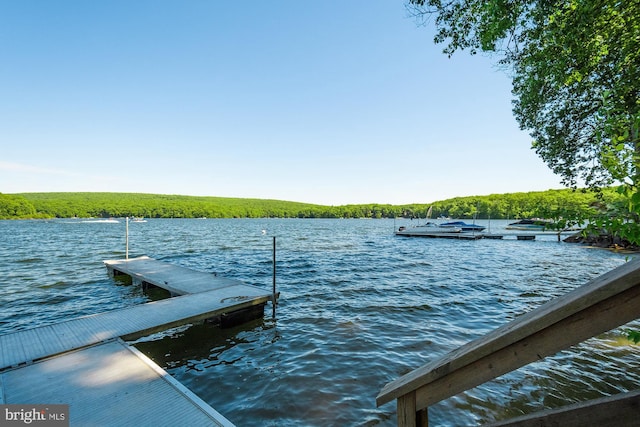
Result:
[
  {"x": 589, "y": 310},
  {"x": 406, "y": 406},
  {"x": 621, "y": 410},
  {"x": 599, "y": 318},
  {"x": 408, "y": 416}
]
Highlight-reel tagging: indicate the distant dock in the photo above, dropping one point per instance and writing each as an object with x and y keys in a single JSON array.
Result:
[
  {"x": 481, "y": 235},
  {"x": 83, "y": 362},
  {"x": 461, "y": 235}
]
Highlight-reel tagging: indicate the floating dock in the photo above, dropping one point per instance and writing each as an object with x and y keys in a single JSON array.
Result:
[
  {"x": 479, "y": 235},
  {"x": 175, "y": 279},
  {"x": 29, "y": 345},
  {"x": 83, "y": 361},
  {"x": 461, "y": 235},
  {"x": 492, "y": 236},
  {"x": 526, "y": 237}
]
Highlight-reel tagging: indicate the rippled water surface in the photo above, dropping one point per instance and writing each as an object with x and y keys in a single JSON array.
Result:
[{"x": 358, "y": 308}]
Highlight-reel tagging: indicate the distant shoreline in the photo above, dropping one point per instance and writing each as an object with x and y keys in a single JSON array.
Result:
[{"x": 544, "y": 204}]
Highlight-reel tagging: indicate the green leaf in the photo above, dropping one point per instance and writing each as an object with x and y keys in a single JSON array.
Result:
[{"x": 633, "y": 336}]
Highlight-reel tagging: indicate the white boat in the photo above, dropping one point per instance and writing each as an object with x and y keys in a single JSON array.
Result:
[
  {"x": 530, "y": 224},
  {"x": 135, "y": 219},
  {"x": 463, "y": 225},
  {"x": 427, "y": 229}
]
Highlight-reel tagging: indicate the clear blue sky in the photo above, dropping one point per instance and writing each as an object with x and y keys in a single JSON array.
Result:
[{"x": 329, "y": 102}]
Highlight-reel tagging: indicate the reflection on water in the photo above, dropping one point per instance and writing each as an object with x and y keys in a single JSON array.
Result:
[{"x": 359, "y": 307}]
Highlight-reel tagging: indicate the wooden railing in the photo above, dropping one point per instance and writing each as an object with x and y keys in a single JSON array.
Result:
[{"x": 604, "y": 303}]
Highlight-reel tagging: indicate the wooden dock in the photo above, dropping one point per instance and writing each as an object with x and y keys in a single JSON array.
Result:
[{"x": 84, "y": 363}]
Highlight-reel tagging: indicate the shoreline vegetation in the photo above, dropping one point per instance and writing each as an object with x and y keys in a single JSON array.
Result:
[
  {"x": 566, "y": 207},
  {"x": 543, "y": 204}
]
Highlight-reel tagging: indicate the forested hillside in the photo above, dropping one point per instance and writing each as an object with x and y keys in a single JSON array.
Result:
[{"x": 549, "y": 204}]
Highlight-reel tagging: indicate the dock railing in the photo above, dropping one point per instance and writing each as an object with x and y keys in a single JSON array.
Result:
[{"x": 602, "y": 304}]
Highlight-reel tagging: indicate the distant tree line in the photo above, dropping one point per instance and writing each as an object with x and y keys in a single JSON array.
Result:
[{"x": 545, "y": 204}]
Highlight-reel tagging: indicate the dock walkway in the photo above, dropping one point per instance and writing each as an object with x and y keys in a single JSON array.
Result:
[
  {"x": 29, "y": 345},
  {"x": 84, "y": 363},
  {"x": 110, "y": 384},
  {"x": 175, "y": 279},
  {"x": 460, "y": 235}
]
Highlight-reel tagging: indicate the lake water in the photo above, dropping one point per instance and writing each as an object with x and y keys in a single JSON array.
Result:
[{"x": 358, "y": 308}]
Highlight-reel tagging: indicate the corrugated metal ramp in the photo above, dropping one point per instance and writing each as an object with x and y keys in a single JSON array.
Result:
[
  {"x": 109, "y": 384},
  {"x": 32, "y": 344}
]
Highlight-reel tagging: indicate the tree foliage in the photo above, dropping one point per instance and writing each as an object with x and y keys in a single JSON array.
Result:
[
  {"x": 16, "y": 207},
  {"x": 575, "y": 66},
  {"x": 549, "y": 204}
]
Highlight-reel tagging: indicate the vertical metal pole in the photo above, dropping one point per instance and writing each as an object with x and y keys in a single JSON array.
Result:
[
  {"x": 126, "y": 250},
  {"x": 274, "y": 278}
]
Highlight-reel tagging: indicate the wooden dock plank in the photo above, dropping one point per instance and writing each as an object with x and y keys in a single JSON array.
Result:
[
  {"x": 95, "y": 380},
  {"x": 137, "y": 320}
]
